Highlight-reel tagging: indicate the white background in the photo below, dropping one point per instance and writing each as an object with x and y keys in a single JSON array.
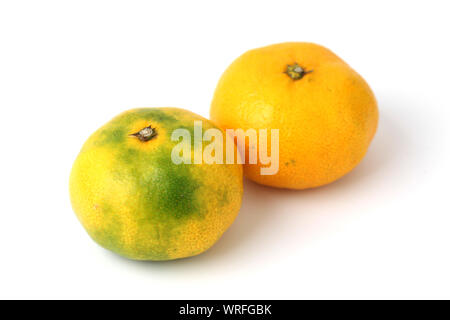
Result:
[{"x": 383, "y": 231}]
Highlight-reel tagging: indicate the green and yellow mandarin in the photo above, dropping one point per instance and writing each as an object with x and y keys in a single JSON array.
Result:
[{"x": 132, "y": 199}]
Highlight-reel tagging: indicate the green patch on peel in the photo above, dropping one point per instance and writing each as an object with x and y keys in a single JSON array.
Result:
[
  {"x": 176, "y": 188},
  {"x": 177, "y": 195},
  {"x": 115, "y": 135}
]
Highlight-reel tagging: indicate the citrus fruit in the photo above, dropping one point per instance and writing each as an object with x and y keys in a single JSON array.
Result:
[
  {"x": 134, "y": 200},
  {"x": 325, "y": 112}
]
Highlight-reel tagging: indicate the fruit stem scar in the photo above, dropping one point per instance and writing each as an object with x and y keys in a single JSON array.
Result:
[
  {"x": 296, "y": 72},
  {"x": 145, "y": 134}
]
